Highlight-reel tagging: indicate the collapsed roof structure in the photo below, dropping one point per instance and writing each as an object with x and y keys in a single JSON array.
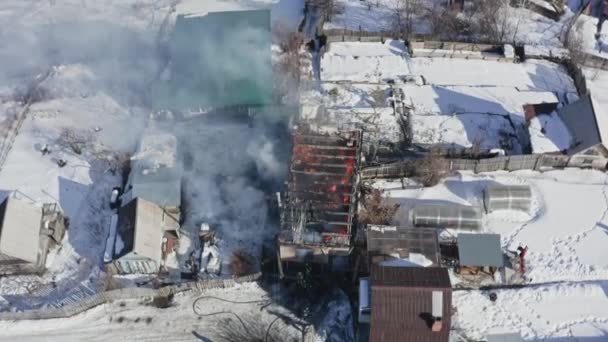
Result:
[{"x": 318, "y": 208}]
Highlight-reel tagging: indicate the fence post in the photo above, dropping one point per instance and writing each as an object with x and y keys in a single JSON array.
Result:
[{"x": 537, "y": 163}]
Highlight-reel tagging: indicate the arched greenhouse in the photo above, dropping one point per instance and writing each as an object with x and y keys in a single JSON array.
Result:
[
  {"x": 508, "y": 197},
  {"x": 453, "y": 216}
]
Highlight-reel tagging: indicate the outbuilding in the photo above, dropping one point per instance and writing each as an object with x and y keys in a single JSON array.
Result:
[
  {"x": 410, "y": 304},
  {"x": 587, "y": 123},
  {"x": 479, "y": 253},
  {"x": 448, "y": 216},
  {"x": 26, "y": 233},
  {"x": 507, "y": 197},
  {"x": 146, "y": 235}
]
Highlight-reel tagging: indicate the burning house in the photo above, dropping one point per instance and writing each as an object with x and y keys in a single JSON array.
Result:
[
  {"x": 318, "y": 208},
  {"x": 147, "y": 239},
  {"x": 156, "y": 173}
]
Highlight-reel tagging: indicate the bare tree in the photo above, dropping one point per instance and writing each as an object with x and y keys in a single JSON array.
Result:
[
  {"x": 377, "y": 209},
  {"x": 290, "y": 62},
  {"x": 403, "y": 15},
  {"x": 447, "y": 24},
  {"x": 76, "y": 140},
  {"x": 430, "y": 169},
  {"x": 328, "y": 8},
  {"x": 494, "y": 20},
  {"x": 575, "y": 43}
]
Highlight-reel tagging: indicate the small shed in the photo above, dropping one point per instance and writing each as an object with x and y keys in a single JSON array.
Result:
[
  {"x": 20, "y": 230},
  {"x": 410, "y": 301},
  {"x": 26, "y": 233},
  {"x": 480, "y": 250},
  {"x": 507, "y": 197},
  {"x": 587, "y": 123},
  {"x": 451, "y": 216}
]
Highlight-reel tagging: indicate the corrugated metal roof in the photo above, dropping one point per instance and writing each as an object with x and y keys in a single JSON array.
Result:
[
  {"x": 429, "y": 277},
  {"x": 20, "y": 231},
  {"x": 582, "y": 122},
  {"x": 480, "y": 250},
  {"x": 402, "y": 304}
]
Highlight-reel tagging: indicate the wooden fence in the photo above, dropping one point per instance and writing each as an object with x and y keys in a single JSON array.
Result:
[
  {"x": 124, "y": 294},
  {"x": 538, "y": 162}
]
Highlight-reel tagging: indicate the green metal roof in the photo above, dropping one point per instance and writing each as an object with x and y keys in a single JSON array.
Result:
[{"x": 218, "y": 60}]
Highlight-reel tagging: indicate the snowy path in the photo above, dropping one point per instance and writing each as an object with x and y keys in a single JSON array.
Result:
[{"x": 132, "y": 321}]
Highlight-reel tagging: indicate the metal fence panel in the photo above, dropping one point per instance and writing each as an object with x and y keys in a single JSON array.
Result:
[
  {"x": 492, "y": 164},
  {"x": 525, "y": 162}
]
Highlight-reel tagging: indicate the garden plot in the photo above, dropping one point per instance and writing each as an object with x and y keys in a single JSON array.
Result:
[
  {"x": 452, "y": 102},
  {"x": 364, "y": 62},
  {"x": 566, "y": 266},
  {"x": 565, "y": 229}
]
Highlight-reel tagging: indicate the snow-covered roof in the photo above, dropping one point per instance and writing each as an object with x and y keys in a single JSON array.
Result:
[
  {"x": 548, "y": 133},
  {"x": 20, "y": 230},
  {"x": 155, "y": 150},
  {"x": 156, "y": 172},
  {"x": 364, "y": 62}
]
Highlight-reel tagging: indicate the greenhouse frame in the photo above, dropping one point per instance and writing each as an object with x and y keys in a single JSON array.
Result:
[
  {"x": 507, "y": 197},
  {"x": 450, "y": 216}
]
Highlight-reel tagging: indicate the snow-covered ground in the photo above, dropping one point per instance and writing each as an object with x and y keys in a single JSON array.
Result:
[
  {"x": 132, "y": 321},
  {"x": 566, "y": 233},
  {"x": 101, "y": 59},
  {"x": 371, "y": 16},
  {"x": 452, "y": 101},
  {"x": 571, "y": 311}
]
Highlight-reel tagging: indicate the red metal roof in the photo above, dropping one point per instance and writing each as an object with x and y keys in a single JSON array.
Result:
[{"x": 402, "y": 304}]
